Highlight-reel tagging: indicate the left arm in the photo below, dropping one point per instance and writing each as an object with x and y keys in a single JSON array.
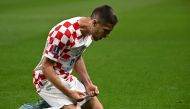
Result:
[{"x": 81, "y": 70}]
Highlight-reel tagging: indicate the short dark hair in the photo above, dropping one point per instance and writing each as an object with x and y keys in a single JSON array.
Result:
[{"x": 105, "y": 14}]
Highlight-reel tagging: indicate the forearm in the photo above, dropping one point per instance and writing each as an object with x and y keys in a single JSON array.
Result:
[
  {"x": 50, "y": 74},
  {"x": 81, "y": 70}
]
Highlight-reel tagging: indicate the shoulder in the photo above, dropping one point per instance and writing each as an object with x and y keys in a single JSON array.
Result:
[
  {"x": 66, "y": 27},
  {"x": 66, "y": 31}
]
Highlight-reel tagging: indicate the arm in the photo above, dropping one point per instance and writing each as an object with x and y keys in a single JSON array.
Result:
[
  {"x": 81, "y": 70},
  {"x": 50, "y": 74}
]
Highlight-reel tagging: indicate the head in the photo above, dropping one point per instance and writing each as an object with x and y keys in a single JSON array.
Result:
[{"x": 103, "y": 19}]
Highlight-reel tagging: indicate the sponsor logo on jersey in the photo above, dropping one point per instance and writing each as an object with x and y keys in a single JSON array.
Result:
[{"x": 55, "y": 49}]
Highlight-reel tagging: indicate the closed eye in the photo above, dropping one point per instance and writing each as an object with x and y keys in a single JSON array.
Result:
[{"x": 106, "y": 31}]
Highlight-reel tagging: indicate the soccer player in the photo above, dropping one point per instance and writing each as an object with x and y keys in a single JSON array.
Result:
[{"x": 65, "y": 44}]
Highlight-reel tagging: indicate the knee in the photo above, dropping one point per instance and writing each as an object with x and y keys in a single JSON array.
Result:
[
  {"x": 99, "y": 106},
  {"x": 93, "y": 103}
]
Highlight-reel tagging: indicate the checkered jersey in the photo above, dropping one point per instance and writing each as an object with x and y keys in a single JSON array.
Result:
[{"x": 64, "y": 45}]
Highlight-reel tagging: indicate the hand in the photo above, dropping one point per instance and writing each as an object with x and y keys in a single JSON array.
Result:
[
  {"x": 92, "y": 90},
  {"x": 76, "y": 96}
]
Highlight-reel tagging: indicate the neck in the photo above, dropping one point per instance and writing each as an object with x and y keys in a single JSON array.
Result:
[{"x": 85, "y": 26}]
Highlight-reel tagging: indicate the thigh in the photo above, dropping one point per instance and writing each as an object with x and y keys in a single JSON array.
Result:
[
  {"x": 93, "y": 103},
  {"x": 55, "y": 99},
  {"x": 53, "y": 96}
]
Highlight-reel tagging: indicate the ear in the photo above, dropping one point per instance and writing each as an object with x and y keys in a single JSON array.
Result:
[{"x": 94, "y": 22}]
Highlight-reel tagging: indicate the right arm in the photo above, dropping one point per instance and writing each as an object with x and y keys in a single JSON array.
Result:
[
  {"x": 48, "y": 71},
  {"x": 52, "y": 52}
]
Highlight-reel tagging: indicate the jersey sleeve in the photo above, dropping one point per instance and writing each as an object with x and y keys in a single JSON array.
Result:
[{"x": 57, "y": 41}]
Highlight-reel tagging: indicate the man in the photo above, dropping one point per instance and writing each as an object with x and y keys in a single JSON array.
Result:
[{"x": 65, "y": 44}]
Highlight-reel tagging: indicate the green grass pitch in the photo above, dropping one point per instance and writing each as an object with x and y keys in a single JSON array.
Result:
[{"x": 144, "y": 64}]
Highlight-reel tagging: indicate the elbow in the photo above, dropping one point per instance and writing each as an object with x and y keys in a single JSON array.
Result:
[
  {"x": 44, "y": 68},
  {"x": 46, "y": 64}
]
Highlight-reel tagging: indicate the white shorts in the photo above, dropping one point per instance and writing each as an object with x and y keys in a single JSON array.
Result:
[{"x": 55, "y": 98}]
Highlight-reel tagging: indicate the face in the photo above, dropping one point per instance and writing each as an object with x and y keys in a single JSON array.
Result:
[{"x": 100, "y": 31}]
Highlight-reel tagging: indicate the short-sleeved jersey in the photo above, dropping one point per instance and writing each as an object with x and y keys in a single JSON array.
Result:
[{"x": 64, "y": 45}]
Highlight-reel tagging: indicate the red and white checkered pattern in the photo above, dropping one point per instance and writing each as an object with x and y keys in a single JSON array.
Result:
[{"x": 64, "y": 45}]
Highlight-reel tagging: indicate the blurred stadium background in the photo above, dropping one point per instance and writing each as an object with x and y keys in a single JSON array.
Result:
[{"x": 144, "y": 64}]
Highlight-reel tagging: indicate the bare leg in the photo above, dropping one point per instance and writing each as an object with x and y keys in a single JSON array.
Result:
[{"x": 93, "y": 103}]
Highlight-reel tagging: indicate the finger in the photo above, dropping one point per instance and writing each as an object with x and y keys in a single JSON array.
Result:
[
  {"x": 80, "y": 99},
  {"x": 92, "y": 93},
  {"x": 88, "y": 93},
  {"x": 81, "y": 93},
  {"x": 96, "y": 91}
]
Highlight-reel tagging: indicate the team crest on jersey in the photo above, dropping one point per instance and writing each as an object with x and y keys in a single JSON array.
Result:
[{"x": 55, "y": 49}]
